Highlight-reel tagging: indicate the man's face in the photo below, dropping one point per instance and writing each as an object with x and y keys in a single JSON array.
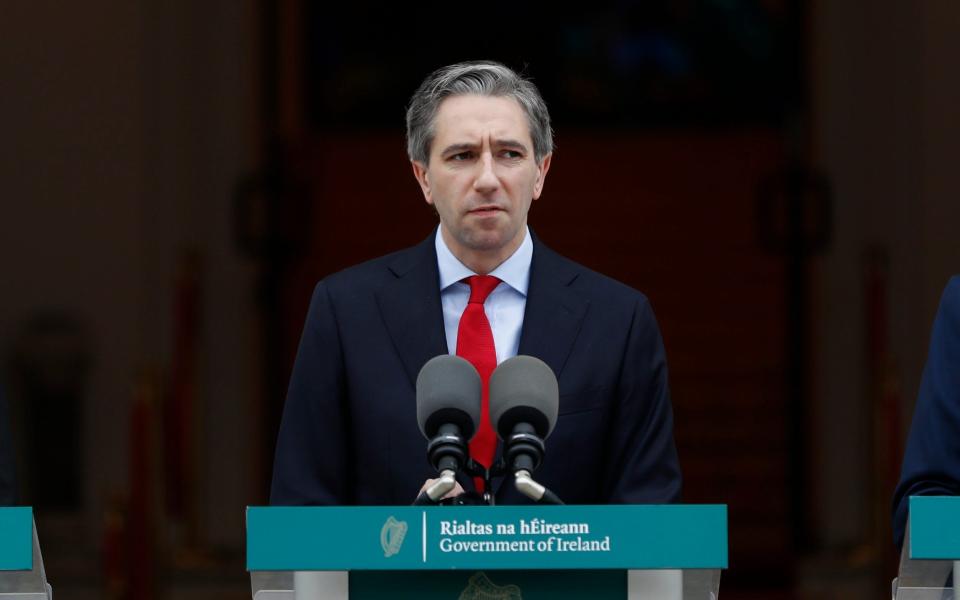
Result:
[{"x": 482, "y": 176}]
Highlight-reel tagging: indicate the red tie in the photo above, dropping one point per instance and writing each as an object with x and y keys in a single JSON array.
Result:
[{"x": 475, "y": 343}]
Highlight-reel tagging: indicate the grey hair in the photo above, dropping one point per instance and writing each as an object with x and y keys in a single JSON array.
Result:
[{"x": 481, "y": 78}]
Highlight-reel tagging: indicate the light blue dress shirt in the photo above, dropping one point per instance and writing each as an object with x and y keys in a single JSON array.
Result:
[{"x": 504, "y": 306}]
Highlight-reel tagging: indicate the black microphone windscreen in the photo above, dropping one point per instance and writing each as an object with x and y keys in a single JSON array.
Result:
[
  {"x": 448, "y": 391},
  {"x": 523, "y": 389}
]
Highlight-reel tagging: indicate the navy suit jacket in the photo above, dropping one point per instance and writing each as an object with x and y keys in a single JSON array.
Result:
[
  {"x": 931, "y": 463},
  {"x": 349, "y": 431}
]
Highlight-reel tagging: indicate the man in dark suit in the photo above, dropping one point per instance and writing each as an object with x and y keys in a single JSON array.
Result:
[
  {"x": 931, "y": 463},
  {"x": 480, "y": 145}
]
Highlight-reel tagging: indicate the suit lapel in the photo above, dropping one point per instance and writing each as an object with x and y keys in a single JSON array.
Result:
[
  {"x": 410, "y": 306},
  {"x": 554, "y": 311}
]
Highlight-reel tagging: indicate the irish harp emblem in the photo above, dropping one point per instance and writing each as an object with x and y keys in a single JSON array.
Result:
[
  {"x": 479, "y": 587},
  {"x": 391, "y": 536}
]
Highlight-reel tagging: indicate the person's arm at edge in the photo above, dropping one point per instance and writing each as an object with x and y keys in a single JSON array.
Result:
[{"x": 930, "y": 463}]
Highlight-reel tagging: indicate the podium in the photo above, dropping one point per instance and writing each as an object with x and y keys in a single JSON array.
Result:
[
  {"x": 21, "y": 566},
  {"x": 930, "y": 560},
  {"x": 533, "y": 552}
]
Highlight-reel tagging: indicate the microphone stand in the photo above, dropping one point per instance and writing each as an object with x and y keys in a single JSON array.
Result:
[
  {"x": 533, "y": 490},
  {"x": 525, "y": 483},
  {"x": 524, "y": 451},
  {"x": 434, "y": 494}
]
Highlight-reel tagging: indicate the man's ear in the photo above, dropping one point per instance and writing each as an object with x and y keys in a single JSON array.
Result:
[
  {"x": 541, "y": 175},
  {"x": 423, "y": 178}
]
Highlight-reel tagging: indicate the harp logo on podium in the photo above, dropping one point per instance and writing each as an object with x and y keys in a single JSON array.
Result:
[
  {"x": 391, "y": 536},
  {"x": 479, "y": 587}
]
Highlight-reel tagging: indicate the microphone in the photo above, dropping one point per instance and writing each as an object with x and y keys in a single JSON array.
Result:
[
  {"x": 524, "y": 400},
  {"x": 448, "y": 414}
]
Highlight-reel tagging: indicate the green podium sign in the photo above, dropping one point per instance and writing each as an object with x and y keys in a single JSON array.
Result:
[
  {"x": 935, "y": 527},
  {"x": 527, "y": 552},
  {"x": 930, "y": 560},
  {"x": 16, "y": 538},
  {"x": 487, "y": 537}
]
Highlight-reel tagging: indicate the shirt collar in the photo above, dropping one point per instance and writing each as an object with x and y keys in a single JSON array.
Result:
[{"x": 515, "y": 271}]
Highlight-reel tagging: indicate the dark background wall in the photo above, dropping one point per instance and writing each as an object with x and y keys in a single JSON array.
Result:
[{"x": 137, "y": 294}]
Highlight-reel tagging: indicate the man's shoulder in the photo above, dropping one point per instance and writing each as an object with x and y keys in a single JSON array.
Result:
[
  {"x": 589, "y": 283},
  {"x": 374, "y": 273}
]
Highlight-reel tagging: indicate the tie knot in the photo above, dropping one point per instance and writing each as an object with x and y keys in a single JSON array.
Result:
[{"x": 480, "y": 287}]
